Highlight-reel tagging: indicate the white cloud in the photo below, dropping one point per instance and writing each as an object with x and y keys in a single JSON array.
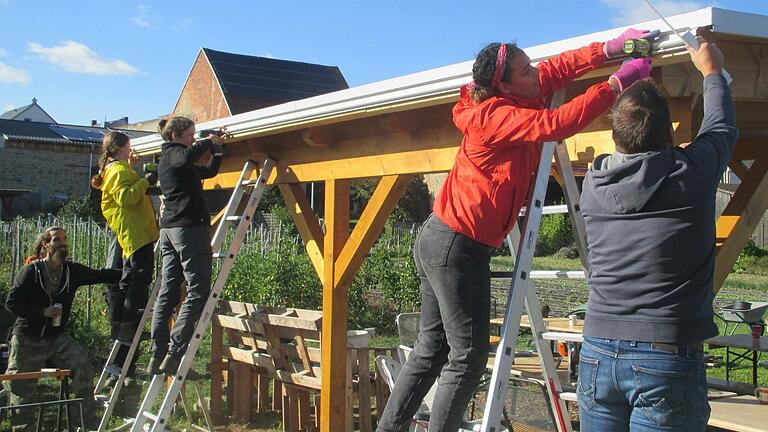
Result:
[
  {"x": 183, "y": 24},
  {"x": 634, "y": 12},
  {"x": 12, "y": 75},
  {"x": 76, "y": 57},
  {"x": 3, "y": 52},
  {"x": 10, "y": 106},
  {"x": 141, "y": 22}
]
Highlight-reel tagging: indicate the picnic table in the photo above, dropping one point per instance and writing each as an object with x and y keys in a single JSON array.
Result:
[{"x": 740, "y": 341}]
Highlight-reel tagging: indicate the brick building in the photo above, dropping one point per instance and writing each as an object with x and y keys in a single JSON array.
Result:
[
  {"x": 222, "y": 84},
  {"x": 45, "y": 163}
]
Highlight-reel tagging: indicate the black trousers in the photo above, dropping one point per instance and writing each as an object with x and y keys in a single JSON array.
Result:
[{"x": 130, "y": 295}]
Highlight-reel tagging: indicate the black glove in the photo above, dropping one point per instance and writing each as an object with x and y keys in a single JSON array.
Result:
[{"x": 151, "y": 177}]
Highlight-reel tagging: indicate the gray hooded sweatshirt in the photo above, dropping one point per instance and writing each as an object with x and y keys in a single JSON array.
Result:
[{"x": 650, "y": 222}]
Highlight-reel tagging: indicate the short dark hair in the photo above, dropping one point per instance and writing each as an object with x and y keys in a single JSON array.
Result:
[
  {"x": 640, "y": 119},
  {"x": 485, "y": 65}
]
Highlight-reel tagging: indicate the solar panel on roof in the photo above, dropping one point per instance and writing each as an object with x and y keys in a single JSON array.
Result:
[{"x": 79, "y": 134}]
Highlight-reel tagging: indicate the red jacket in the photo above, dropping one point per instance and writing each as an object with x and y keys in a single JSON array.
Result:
[{"x": 482, "y": 196}]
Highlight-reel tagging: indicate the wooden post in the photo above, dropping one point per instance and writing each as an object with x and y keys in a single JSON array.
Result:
[
  {"x": 217, "y": 373},
  {"x": 364, "y": 389},
  {"x": 335, "y": 300}
]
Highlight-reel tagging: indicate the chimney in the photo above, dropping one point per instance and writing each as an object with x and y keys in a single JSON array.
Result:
[{"x": 94, "y": 123}]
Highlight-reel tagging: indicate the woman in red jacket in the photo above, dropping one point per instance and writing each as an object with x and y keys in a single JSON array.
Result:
[{"x": 503, "y": 118}]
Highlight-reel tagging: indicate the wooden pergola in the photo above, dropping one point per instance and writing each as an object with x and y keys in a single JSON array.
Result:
[{"x": 399, "y": 128}]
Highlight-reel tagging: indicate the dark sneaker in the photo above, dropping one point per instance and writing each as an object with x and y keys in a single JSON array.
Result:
[{"x": 153, "y": 368}]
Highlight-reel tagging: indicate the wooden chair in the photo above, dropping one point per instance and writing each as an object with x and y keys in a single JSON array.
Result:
[{"x": 281, "y": 346}]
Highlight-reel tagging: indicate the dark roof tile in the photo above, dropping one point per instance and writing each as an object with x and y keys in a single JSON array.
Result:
[{"x": 268, "y": 81}]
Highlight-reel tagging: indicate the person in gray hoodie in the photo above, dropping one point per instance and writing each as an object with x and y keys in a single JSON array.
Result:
[{"x": 649, "y": 210}]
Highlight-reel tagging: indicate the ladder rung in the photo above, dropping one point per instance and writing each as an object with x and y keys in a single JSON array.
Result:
[
  {"x": 568, "y": 396},
  {"x": 233, "y": 218},
  {"x": 249, "y": 182},
  {"x": 542, "y": 274},
  {"x": 101, "y": 399},
  {"x": 553, "y": 209},
  {"x": 563, "y": 336},
  {"x": 113, "y": 370},
  {"x": 150, "y": 416}
]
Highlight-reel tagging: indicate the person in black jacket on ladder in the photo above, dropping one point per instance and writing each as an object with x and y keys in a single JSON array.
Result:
[{"x": 185, "y": 241}]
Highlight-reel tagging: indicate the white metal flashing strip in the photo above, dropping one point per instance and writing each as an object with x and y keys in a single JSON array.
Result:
[{"x": 446, "y": 80}]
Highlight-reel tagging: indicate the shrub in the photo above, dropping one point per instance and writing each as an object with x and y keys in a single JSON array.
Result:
[
  {"x": 752, "y": 259},
  {"x": 555, "y": 232}
]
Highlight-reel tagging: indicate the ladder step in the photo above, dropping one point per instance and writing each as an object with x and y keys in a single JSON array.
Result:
[
  {"x": 568, "y": 396},
  {"x": 113, "y": 370},
  {"x": 553, "y": 209},
  {"x": 542, "y": 274},
  {"x": 563, "y": 336},
  {"x": 233, "y": 218},
  {"x": 249, "y": 182},
  {"x": 149, "y": 415}
]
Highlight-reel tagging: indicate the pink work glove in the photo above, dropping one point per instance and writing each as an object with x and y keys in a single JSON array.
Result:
[
  {"x": 631, "y": 71},
  {"x": 615, "y": 47}
]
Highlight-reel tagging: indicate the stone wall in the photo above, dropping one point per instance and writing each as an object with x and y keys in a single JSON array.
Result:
[{"x": 49, "y": 171}]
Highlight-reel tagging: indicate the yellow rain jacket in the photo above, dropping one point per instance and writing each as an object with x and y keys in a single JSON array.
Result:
[{"x": 127, "y": 208}]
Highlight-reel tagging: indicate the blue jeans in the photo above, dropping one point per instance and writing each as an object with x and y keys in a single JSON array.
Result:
[
  {"x": 639, "y": 386},
  {"x": 454, "y": 272}
]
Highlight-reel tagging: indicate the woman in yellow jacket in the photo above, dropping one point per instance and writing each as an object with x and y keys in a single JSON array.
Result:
[{"x": 131, "y": 217}]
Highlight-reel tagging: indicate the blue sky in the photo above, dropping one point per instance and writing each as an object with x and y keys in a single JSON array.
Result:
[{"x": 93, "y": 59}]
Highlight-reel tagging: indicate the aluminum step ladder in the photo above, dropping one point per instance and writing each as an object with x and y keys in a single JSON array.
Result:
[
  {"x": 239, "y": 212},
  {"x": 523, "y": 293}
]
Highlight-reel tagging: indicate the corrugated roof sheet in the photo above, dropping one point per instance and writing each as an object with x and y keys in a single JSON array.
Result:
[
  {"x": 15, "y": 130},
  {"x": 249, "y": 81}
]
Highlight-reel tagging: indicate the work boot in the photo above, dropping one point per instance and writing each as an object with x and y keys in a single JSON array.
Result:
[
  {"x": 170, "y": 364},
  {"x": 153, "y": 368},
  {"x": 126, "y": 331}
]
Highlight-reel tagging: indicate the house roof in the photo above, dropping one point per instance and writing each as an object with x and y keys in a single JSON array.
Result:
[
  {"x": 11, "y": 114},
  {"x": 250, "y": 82},
  {"x": 14, "y": 130},
  {"x": 16, "y": 112}
]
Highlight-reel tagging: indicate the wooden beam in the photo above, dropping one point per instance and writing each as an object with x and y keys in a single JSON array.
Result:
[
  {"x": 369, "y": 226},
  {"x": 739, "y": 219},
  {"x": 335, "y": 313},
  {"x": 750, "y": 148},
  {"x": 738, "y": 167},
  {"x": 306, "y": 223}
]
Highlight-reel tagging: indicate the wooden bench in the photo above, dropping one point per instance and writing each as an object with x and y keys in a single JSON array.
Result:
[{"x": 256, "y": 347}]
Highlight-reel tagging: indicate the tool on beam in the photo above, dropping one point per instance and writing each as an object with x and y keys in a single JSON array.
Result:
[
  {"x": 637, "y": 48},
  {"x": 687, "y": 37}
]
